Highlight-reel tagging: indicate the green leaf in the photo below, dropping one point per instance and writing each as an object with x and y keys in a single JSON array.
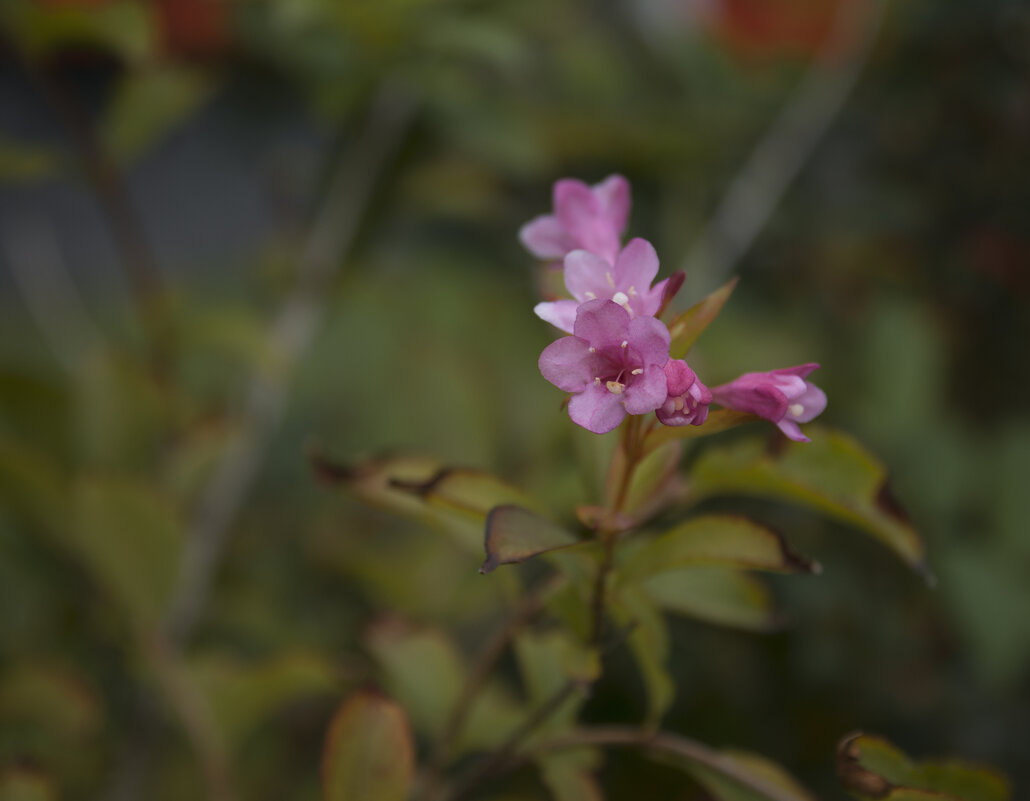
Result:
[
  {"x": 547, "y": 661},
  {"x": 147, "y": 104},
  {"x": 32, "y": 483},
  {"x": 715, "y": 540},
  {"x": 718, "y": 420},
  {"x": 23, "y": 784},
  {"x": 514, "y": 534},
  {"x": 870, "y": 767},
  {"x": 368, "y": 754},
  {"x": 49, "y": 698},
  {"x": 655, "y": 482},
  {"x": 454, "y": 500},
  {"x": 244, "y": 696},
  {"x": 764, "y": 771},
  {"x": 832, "y": 474},
  {"x": 569, "y": 774},
  {"x": 129, "y": 539},
  {"x": 423, "y": 669},
  {"x": 716, "y": 595},
  {"x": 20, "y": 161},
  {"x": 649, "y": 643},
  {"x": 122, "y": 26},
  {"x": 688, "y": 326}
]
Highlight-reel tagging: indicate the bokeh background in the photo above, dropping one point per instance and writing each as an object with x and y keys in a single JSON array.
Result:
[{"x": 231, "y": 232}]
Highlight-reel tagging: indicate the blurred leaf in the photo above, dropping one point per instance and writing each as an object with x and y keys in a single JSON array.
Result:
[
  {"x": 129, "y": 539},
  {"x": 832, "y": 473},
  {"x": 688, "y": 326},
  {"x": 48, "y": 698},
  {"x": 455, "y": 500},
  {"x": 121, "y": 412},
  {"x": 423, "y": 669},
  {"x": 872, "y": 768},
  {"x": 569, "y": 774},
  {"x": 27, "y": 162},
  {"x": 716, "y": 540},
  {"x": 32, "y": 484},
  {"x": 368, "y": 754},
  {"x": 716, "y": 595},
  {"x": 244, "y": 696},
  {"x": 148, "y": 103},
  {"x": 649, "y": 643},
  {"x": 514, "y": 534},
  {"x": 654, "y": 482},
  {"x": 121, "y": 26},
  {"x": 22, "y": 784},
  {"x": 754, "y": 766},
  {"x": 547, "y": 662},
  {"x": 718, "y": 420}
]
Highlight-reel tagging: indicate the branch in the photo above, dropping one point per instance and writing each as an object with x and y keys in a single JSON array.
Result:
[
  {"x": 664, "y": 744},
  {"x": 791, "y": 140},
  {"x": 331, "y": 236}
]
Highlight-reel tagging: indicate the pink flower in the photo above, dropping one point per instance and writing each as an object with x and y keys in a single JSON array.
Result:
[
  {"x": 626, "y": 280},
  {"x": 688, "y": 399},
  {"x": 782, "y": 396},
  {"x": 585, "y": 217},
  {"x": 613, "y": 365}
]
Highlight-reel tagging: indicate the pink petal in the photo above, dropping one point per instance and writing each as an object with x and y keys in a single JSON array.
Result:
[
  {"x": 559, "y": 313},
  {"x": 613, "y": 195},
  {"x": 568, "y": 364},
  {"x": 586, "y": 276},
  {"x": 597, "y": 409},
  {"x": 791, "y": 430},
  {"x": 647, "y": 304},
  {"x": 603, "y": 323},
  {"x": 546, "y": 238},
  {"x": 636, "y": 266},
  {"x": 649, "y": 339},
  {"x": 678, "y": 376},
  {"x": 813, "y": 401},
  {"x": 647, "y": 392},
  {"x": 745, "y": 395},
  {"x": 574, "y": 205},
  {"x": 801, "y": 370}
]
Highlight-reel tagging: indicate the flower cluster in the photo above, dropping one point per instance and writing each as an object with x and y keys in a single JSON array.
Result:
[{"x": 615, "y": 361}]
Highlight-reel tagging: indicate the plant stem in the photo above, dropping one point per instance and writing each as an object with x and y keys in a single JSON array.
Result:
[{"x": 666, "y": 744}]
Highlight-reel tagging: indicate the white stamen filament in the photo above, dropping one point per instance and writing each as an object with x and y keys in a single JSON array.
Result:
[
  {"x": 610, "y": 280},
  {"x": 632, "y": 291},
  {"x": 593, "y": 349},
  {"x": 597, "y": 381},
  {"x": 624, "y": 344},
  {"x": 678, "y": 403},
  {"x": 621, "y": 298},
  {"x": 590, "y": 296},
  {"x": 795, "y": 410},
  {"x": 615, "y": 387},
  {"x": 638, "y": 371}
]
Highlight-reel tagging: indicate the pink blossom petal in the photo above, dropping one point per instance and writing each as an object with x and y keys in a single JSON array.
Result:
[
  {"x": 812, "y": 402},
  {"x": 647, "y": 304},
  {"x": 613, "y": 195},
  {"x": 568, "y": 364},
  {"x": 574, "y": 205},
  {"x": 801, "y": 370},
  {"x": 647, "y": 392},
  {"x": 603, "y": 323},
  {"x": 559, "y": 313},
  {"x": 597, "y": 409},
  {"x": 649, "y": 339},
  {"x": 790, "y": 428},
  {"x": 586, "y": 276},
  {"x": 546, "y": 238},
  {"x": 679, "y": 377},
  {"x": 763, "y": 400},
  {"x": 636, "y": 266}
]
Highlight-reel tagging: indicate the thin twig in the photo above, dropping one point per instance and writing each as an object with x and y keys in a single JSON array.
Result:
[
  {"x": 103, "y": 175},
  {"x": 331, "y": 237},
  {"x": 776, "y": 160},
  {"x": 658, "y": 744}
]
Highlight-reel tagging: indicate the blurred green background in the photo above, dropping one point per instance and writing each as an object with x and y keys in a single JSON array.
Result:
[{"x": 175, "y": 174}]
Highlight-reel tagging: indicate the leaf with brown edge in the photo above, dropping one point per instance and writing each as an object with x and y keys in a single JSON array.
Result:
[
  {"x": 689, "y": 325},
  {"x": 715, "y": 540},
  {"x": 871, "y": 768},
  {"x": 718, "y": 420},
  {"x": 833, "y": 474},
  {"x": 368, "y": 754},
  {"x": 514, "y": 534},
  {"x": 453, "y": 499},
  {"x": 754, "y": 766}
]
